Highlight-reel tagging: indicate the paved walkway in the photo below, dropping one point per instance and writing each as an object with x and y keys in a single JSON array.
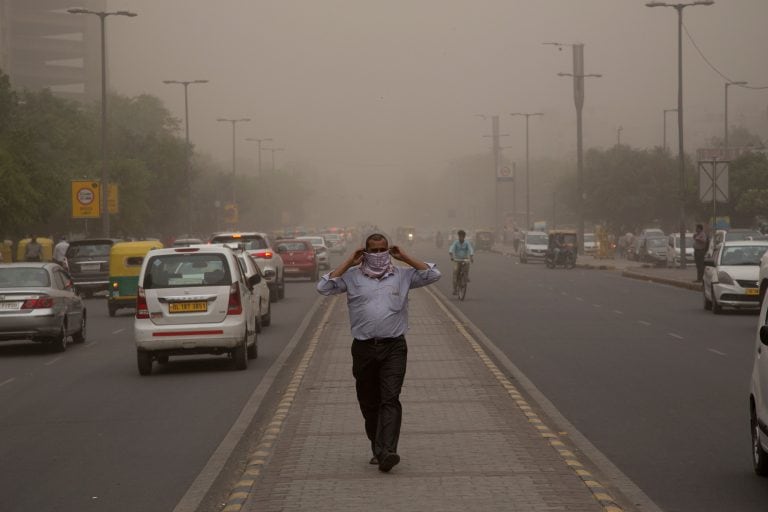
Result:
[{"x": 470, "y": 440}]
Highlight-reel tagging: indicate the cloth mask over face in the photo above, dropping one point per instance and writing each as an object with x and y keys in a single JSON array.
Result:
[{"x": 376, "y": 264}]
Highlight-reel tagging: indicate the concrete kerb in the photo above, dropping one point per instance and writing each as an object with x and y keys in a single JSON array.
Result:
[{"x": 662, "y": 280}]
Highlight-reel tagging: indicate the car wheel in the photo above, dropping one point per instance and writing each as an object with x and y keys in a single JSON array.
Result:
[
  {"x": 716, "y": 308},
  {"x": 759, "y": 456},
  {"x": 266, "y": 320},
  {"x": 281, "y": 289},
  {"x": 258, "y": 322},
  {"x": 240, "y": 354},
  {"x": 162, "y": 359},
  {"x": 314, "y": 277},
  {"x": 59, "y": 342},
  {"x": 88, "y": 294},
  {"x": 274, "y": 292},
  {"x": 144, "y": 360},
  {"x": 253, "y": 350},
  {"x": 79, "y": 336},
  {"x": 112, "y": 309},
  {"x": 707, "y": 302}
]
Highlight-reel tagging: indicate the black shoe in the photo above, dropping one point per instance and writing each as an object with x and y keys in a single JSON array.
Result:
[
  {"x": 389, "y": 461},
  {"x": 374, "y": 460}
]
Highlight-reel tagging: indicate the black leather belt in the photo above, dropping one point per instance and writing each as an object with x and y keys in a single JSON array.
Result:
[{"x": 377, "y": 341}]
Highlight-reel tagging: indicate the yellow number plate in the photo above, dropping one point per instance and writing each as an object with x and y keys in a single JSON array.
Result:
[
  {"x": 753, "y": 291},
  {"x": 187, "y": 307}
]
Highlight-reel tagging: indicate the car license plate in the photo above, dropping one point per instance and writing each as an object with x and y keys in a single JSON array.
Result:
[
  {"x": 187, "y": 307},
  {"x": 10, "y": 306},
  {"x": 291, "y": 269},
  {"x": 753, "y": 291},
  {"x": 92, "y": 267}
]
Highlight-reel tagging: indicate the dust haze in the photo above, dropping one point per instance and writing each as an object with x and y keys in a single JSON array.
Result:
[{"x": 376, "y": 102}]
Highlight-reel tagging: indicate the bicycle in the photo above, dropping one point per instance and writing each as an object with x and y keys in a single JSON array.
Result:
[{"x": 462, "y": 278}]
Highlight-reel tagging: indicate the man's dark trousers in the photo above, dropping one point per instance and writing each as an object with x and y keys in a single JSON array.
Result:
[
  {"x": 379, "y": 370},
  {"x": 698, "y": 257}
]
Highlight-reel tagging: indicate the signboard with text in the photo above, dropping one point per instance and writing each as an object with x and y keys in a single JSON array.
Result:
[
  {"x": 85, "y": 199},
  {"x": 113, "y": 203}
]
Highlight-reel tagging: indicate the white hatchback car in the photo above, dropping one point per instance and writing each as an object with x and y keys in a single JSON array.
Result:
[
  {"x": 731, "y": 276},
  {"x": 758, "y": 397},
  {"x": 194, "y": 300},
  {"x": 534, "y": 246}
]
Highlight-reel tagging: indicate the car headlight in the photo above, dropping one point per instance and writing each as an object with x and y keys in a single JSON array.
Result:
[{"x": 724, "y": 278}]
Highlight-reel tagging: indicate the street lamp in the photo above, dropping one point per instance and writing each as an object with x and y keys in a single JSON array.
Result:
[
  {"x": 618, "y": 135},
  {"x": 259, "y": 141},
  {"x": 273, "y": 150},
  {"x": 578, "y": 97},
  {"x": 104, "y": 171},
  {"x": 725, "y": 138},
  {"x": 496, "y": 152},
  {"x": 527, "y": 166},
  {"x": 234, "y": 123},
  {"x": 188, "y": 152},
  {"x": 679, "y": 8},
  {"x": 664, "y": 142}
]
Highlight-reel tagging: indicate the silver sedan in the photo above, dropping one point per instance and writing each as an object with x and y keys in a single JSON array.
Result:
[{"x": 38, "y": 302}]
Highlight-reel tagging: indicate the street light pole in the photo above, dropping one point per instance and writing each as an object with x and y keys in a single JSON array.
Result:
[
  {"x": 618, "y": 135},
  {"x": 234, "y": 138},
  {"x": 527, "y": 166},
  {"x": 188, "y": 152},
  {"x": 259, "y": 141},
  {"x": 664, "y": 142},
  {"x": 273, "y": 150},
  {"x": 104, "y": 194},
  {"x": 725, "y": 134},
  {"x": 681, "y": 149}
]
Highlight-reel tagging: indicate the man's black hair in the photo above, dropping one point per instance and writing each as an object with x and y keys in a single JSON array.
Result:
[
  {"x": 375, "y": 237},
  {"x": 462, "y": 232}
]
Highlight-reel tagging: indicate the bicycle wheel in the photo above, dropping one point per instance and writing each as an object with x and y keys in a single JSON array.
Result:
[{"x": 462, "y": 285}]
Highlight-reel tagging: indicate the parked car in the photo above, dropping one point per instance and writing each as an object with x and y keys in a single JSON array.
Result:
[
  {"x": 335, "y": 243},
  {"x": 299, "y": 258},
  {"x": 729, "y": 235},
  {"x": 261, "y": 249},
  {"x": 758, "y": 396},
  {"x": 259, "y": 292},
  {"x": 194, "y": 300},
  {"x": 731, "y": 276},
  {"x": 652, "y": 232},
  {"x": 534, "y": 246},
  {"x": 673, "y": 249},
  {"x": 590, "y": 243},
  {"x": 653, "y": 250},
  {"x": 39, "y": 302},
  {"x": 321, "y": 250},
  {"x": 88, "y": 261},
  {"x": 633, "y": 250}
]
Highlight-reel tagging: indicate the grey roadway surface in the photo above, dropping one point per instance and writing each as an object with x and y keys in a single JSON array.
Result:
[
  {"x": 82, "y": 431},
  {"x": 652, "y": 380}
]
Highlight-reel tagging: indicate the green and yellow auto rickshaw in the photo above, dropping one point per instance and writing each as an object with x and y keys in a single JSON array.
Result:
[
  {"x": 46, "y": 246},
  {"x": 125, "y": 259},
  {"x": 483, "y": 240}
]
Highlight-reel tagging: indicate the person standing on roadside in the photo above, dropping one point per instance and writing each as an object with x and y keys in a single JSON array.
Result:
[
  {"x": 700, "y": 243},
  {"x": 60, "y": 252},
  {"x": 377, "y": 299},
  {"x": 33, "y": 251}
]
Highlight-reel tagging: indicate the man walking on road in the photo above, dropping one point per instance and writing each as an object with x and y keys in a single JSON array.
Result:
[
  {"x": 700, "y": 243},
  {"x": 377, "y": 298}
]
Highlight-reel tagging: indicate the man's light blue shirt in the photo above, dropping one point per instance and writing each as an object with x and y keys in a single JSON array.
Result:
[
  {"x": 461, "y": 251},
  {"x": 378, "y": 308}
]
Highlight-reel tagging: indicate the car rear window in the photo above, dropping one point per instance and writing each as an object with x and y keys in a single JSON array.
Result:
[
  {"x": 185, "y": 270},
  {"x": 86, "y": 250},
  {"x": 24, "y": 277},
  {"x": 252, "y": 242},
  {"x": 293, "y": 246}
]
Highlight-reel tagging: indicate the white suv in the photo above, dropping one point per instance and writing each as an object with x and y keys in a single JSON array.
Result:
[
  {"x": 260, "y": 248},
  {"x": 194, "y": 300}
]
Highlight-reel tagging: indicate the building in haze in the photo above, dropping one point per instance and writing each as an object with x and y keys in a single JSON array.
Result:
[{"x": 43, "y": 46}]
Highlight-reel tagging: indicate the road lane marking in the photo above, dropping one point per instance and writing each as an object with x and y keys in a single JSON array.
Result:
[
  {"x": 580, "y": 299},
  {"x": 92, "y": 343},
  {"x": 7, "y": 381},
  {"x": 563, "y": 293},
  {"x": 596, "y": 306},
  {"x": 717, "y": 352},
  {"x": 676, "y": 336},
  {"x": 618, "y": 312},
  {"x": 49, "y": 363},
  {"x": 644, "y": 322},
  {"x": 118, "y": 331}
]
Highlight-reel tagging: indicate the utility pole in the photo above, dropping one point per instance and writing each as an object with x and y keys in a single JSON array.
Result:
[
  {"x": 234, "y": 138},
  {"x": 495, "y": 152},
  {"x": 664, "y": 142},
  {"x": 259, "y": 141},
  {"x": 618, "y": 135},
  {"x": 527, "y": 166}
]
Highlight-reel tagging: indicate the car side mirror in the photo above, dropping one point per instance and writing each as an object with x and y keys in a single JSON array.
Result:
[
  {"x": 254, "y": 279},
  {"x": 764, "y": 334}
]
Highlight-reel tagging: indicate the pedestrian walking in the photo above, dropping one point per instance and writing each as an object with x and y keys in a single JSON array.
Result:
[
  {"x": 60, "y": 252},
  {"x": 700, "y": 244},
  {"x": 377, "y": 299},
  {"x": 33, "y": 251}
]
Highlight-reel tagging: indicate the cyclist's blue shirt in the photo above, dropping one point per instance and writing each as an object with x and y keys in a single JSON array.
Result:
[{"x": 461, "y": 251}]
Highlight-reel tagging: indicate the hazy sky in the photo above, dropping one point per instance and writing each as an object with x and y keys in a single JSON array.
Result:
[{"x": 369, "y": 85}]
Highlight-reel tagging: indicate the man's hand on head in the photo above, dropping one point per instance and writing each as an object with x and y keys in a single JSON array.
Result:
[
  {"x": 397, "y": 253},
  {"x": 357, "y": 257}
]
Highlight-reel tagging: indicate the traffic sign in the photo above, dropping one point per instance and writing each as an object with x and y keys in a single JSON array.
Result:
[
  {"x": 113, "y": 203},
  {"x": 505, "y": 173},
  {"x": 85, "y": 199},
  {"x": 713, "y": 181}
]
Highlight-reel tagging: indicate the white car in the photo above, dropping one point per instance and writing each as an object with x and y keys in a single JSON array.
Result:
[
  {"x": 758, "y": 397},
  {"x": 194, "y": 300},
  {"x": 590, "y": 243},
  {"x": 321, "y": 250},
  {"x": 534, "y": 246},
  {"x": 259, "y": 292},
  {"x": 335, "y": 242},
  {"x": 731, "y": 277},
  {"x": 673, "y": 249},
  {"x": 261, "y": 249}
]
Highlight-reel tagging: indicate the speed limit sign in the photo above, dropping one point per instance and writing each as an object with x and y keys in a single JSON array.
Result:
[{"x": 85, "y": 199}]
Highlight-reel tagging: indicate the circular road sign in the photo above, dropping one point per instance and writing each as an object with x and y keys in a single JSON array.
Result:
[{"x": 85, "y": 196}]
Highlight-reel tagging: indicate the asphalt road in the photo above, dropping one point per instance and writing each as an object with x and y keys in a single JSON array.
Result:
[
  {"x": 652, "y": 380},
  {"x": 83, "y": 431}
]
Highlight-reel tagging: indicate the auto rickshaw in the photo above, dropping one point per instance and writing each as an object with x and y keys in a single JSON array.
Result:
[
  {"x": 483, "y": 240},
  {"x": 46, "y": 245},
  {"x": 561, "y": 249},
  {"x": 6, "y": 249},
  {"x": 125, "y": 259}
]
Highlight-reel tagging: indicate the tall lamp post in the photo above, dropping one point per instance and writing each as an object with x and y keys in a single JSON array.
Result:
[
  {"x": 104, "y": 171},
  {"x": 188, "y": 152},
  {"x": 258, "y": 141},
  {"x": 578, "y": 98},
  {"x": 527, "y": 166},
  {"x": 664, "y": 142},
  {"x": 681, "y": 149},
  {"x": 234, "y": 138},
  {"x": 273, "y": 150},
  {"x": 725, "y": 134}
]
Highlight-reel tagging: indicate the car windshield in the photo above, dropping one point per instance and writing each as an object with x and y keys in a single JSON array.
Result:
[
  {"x": 536, "y": 239},
  {"x": 657, "y": 242},
  {"x": 184, "y": 270},
  {"x": 252, "y": 242},
  {"x": 316, "y": 241},
  {"x": 86, "y": 250},
  {"x": 24, "y": 277},
  {"x": 743, "y": 235},
  {"x": 589, "y": 238},
  {"x": 743, "y": 255},
  {"x": 292, "y": 246},
  {"x": 332, "y": 236}
]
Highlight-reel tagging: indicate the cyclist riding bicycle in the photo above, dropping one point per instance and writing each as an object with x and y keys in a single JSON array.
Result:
[{"x": 460, "y": 250}]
